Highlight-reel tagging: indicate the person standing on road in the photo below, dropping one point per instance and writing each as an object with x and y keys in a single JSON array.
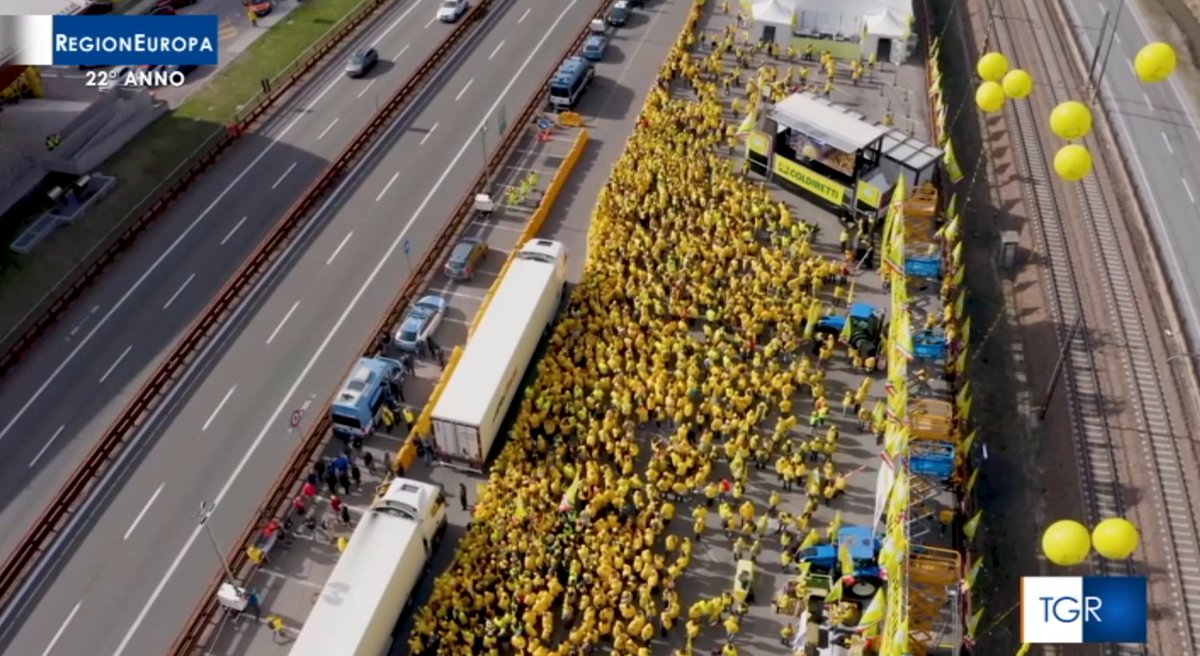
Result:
[
  {"x": 277, "y": 628},
  {"x": 254, "y": 603},
  {"x": 331, "y": 480},
  {"x": 344, "y": 481},
  {"x": 462, "y": 497},
  {"x": 356, "y": 476},
  {"x": 369, "y": 461}
]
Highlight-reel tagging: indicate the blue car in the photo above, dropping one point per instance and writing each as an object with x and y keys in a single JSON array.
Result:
[
  {"x": 421, "y": 321},
  {"x": 595, "y": 47}
]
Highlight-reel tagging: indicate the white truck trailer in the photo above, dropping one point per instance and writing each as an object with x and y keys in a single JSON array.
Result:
[
  {"x": 472, "y": 406},
  {"x": 375, "y": 579}
]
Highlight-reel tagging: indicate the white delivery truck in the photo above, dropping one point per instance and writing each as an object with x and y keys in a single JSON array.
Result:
[
  {"x": 472, "y": 406},
  {"x": 374, "y": 580}
]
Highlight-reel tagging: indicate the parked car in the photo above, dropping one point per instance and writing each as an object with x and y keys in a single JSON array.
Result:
[
  {"x": 619, "y": 14},
  {"x": 595, "y": 46},
  {"x": 97, "y": 8},
  {"x": 175, "y": 4},
  {"x": 451, "y": 10},
  {"x": 115, "y": 77},
  {"x": 259, "y": 7},
  {"x": 636, "y": 4},
  {"x": 162, "y": 10},
  {"x": 420, "y": 323},
  {"x": 362, "y": 62},
  {"x": 186, "y": 69},
  {"x": 465, "y": 258}
]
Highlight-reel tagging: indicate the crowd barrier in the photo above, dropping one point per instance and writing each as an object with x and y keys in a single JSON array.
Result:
[
  {"x": 47, "y": 527},
  {"x": 286, "y": 485},
  {"x": 21, "y": 339}
]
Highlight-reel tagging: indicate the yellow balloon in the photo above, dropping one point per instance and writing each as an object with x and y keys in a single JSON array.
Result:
[
  {"x": 990, "y": 97},
  {"x": 1155, "y": 62},
  {"x": 992, "y": 66},
  {"x": 1017, "y": 83},
  {"x": 1116, "y": 538},
  {"x": 1071, "y": 120},
  {"x": 1066, "y": 542},
  {"x": 1072, "y": 162}
]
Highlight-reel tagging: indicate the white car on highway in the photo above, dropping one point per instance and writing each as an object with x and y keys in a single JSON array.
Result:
[
  {"x": 451, "y": 10},
  {"x": 421, "y": 321}
]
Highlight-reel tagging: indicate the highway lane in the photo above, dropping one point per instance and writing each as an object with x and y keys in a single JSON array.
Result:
[
  {"x": 1159, "y": 135},
  {"x": 67, "y": 391},
  {"x": 159, "y": 571}
]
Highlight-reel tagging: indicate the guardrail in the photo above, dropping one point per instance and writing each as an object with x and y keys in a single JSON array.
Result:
[
  {"x": 74, "y": 491},
  {"x": 286, "y": 485},
  {"x": 21, "y": 338}
]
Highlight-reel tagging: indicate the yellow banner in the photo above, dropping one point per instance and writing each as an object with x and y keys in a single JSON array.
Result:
[
  {"x": 809, "y": 180},
  {"x": 869, "y": 194},
  {"x": 758, "y": 143}
]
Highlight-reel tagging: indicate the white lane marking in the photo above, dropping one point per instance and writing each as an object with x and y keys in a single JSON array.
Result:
[
  {"x": 1188, "y": 188},
  {"x": 367, "y": 88},
  {"x": 339, "y": 247},
  {"x": 312, "y": 361},
  {"x": 394, "y": 24},
  {"x": 458, "y": 294},
  {"x": 79, "y": 325},
  {"x": 178, "y": 291},
  {"x": 498, "y": 226},
  {"x": 428, "y": 134},
  {"x": 1149, "y": 105},
  {"x": 1117, "y": 37},
  {"x": 431, "y": 20},
  {"x": 402, "y": 51},
  {"x": 285, "y": 318},
  {"x": 164, "y": 256},
  {"x": 387, "y": 186},
  {"x": 137, "y": 520},
  {"x": 285, "y": 174},
  {"x": 62, "y": 628},
  {"x": 498, "y": 47},
  {"x": 1168, "y": 142},
  {"x": 326, "y": 130},
  {"x": 464, "y": 89},
  {"x": 217, "y": 410},
  {"x": 235, "y": 229},
  {"x": 524, "y": 15},
  {"x": 1131, "y": 68},
  {"x": 45, "y": 446},
  {"x": 116, "y": 362}
]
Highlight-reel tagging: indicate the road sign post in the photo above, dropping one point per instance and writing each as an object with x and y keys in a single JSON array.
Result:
[
  {"x": 206, "y": 511},
  {"x": 407, "y": 256},
  {"x": 503, "y": 120}
]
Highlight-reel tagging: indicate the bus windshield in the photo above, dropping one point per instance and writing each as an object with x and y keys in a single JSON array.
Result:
[
  {"x": 557, "y": 91},
  {"x": 348, "y": 422}
]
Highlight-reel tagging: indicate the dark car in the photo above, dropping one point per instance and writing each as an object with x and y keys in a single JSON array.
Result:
[
  {"x": 362, "y": 62},
  {"x": 465, "y": 258},
  {"x": 620, "y": 14},
  {"x": 97, "y": 8},
  {"x": 175, "y": 4},
  {"x": 636, "y": 4},
  {"x": 162, "y": 10}
]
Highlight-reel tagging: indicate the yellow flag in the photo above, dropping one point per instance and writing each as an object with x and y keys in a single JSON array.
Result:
[
  {"x": 959, "y": 304},
  {"x": 973, "y": 623},
  {"x": 1024, "y": 649},
  {"x": 963, "y": 392},
  {"x": 835, "y": 525},
  {"x": 966, "y": 329},
  {"x": 952, "y": 168},
  {"x": 968, "y": 443},
  {"x": 811, "y": 540},
  {"x": 972, "y": 525},
  {"x": 957, "y": 278},
  {"x": 835, "y": 593},
  {"x": 844, "y": 560},
  {"x": 972, "y": 480},
  {"x": 973, "y": 573},
  {"x": 747, "y": 125},
  {"x": 956, "y": 254},
  {"x": 850, "y": 293}
]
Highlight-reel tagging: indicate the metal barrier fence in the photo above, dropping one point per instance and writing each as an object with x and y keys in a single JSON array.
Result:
[
  {"x": 287, "y": 483},
  {"x": 21, "y": 338},
  {"x": 48, "y": 526}
]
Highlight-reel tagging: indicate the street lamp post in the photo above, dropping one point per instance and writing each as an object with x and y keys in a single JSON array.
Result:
[
  {"x": 1116, "y": 23},
  {"x": 206, "y": 511}
]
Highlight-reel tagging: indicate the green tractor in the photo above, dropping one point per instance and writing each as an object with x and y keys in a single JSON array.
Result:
[{"x": 866, "y": 328}]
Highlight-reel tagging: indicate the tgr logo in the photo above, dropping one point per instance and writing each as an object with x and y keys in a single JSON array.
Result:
[{"x": 1069, "y": 609}]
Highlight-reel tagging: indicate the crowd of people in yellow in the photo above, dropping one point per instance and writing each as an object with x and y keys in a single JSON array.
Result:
[{"x": 686, "y": 361}]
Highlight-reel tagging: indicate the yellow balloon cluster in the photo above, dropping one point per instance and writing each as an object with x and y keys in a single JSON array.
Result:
[
  {"x": 990, "y": 97},
  {"x": 1073, "y": 162},
  {"x": 1017, "y": 84},
  {"x": 1071, "y": 120},
  {"x": 992, "y": 66},
  {"x": 1067, "y": 542},
  {"x": 1155, "y": 62}
]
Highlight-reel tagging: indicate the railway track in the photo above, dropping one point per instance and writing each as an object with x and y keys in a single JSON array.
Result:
[{"x": 1139, "y": 423}]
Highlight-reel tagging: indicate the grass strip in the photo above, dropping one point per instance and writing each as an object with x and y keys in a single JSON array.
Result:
[{"x": 142, "y": 165}]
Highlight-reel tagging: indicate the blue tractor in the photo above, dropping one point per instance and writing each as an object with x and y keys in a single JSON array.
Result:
[
  {"x": 867, "y": 577},
  {"x": 866, "y": 328},
  {"x": 929, "y": 345}
]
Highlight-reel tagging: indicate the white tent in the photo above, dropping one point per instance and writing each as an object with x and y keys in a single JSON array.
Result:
[
  {"x": 772, "y": 12},
  {"x": 886, "y": 25},
  {"x": 773, "y": 20}
]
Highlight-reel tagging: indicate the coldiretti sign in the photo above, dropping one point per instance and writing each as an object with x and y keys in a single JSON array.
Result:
[{"x": 809, "y": 180}]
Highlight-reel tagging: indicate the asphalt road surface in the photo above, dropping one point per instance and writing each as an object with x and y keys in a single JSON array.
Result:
[
  {"x": 55, "y": 405},
  {"x": 134, "y": 578},
  {"x": 1159, "y": 136}
]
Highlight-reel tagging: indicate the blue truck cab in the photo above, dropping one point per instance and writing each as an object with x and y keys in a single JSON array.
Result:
[
  {"x": 866, "y": 327},
  {"x": 358, "y": 403},
  {"x": 867, "y": 577}
]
